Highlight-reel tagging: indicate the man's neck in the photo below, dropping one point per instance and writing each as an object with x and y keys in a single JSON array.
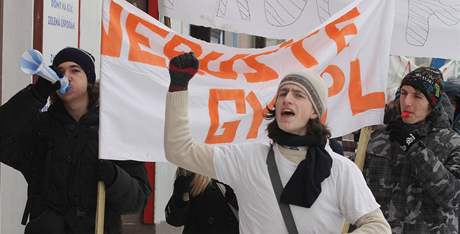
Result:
[
  {"x": 77, "y": 108},
  {"x": 293, "y": 155}
]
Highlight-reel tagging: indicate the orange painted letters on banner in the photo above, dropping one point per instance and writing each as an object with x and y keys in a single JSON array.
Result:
[
  {"x": 263, "y": 72},
  {"x": 170, "y": 47},
  {"x": 226, "y": 67},
  {"x": 229, "y": 133},
  {"x": 136, "y": 54},
  {"x": 111, "y": 40},
  {"x": 339, "y": 35},
  {"x": 360, "y": 103},
  {"x": 338, "y": 79},
  {"x": 258, "y": 116},
  {"x": 303, "y": 56}
]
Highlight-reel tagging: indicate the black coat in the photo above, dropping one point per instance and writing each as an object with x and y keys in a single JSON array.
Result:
[
  {"x": 208, "y": 213},
  {"x": 59, "y": 160}
]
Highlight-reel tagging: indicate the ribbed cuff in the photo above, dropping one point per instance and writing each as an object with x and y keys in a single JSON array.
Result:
[{"x": 177, "y": 99}]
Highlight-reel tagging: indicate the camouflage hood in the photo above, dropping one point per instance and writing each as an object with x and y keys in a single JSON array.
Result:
[
  {"x": 442, "y": 114},
  {"x": 452, "y": 88}
]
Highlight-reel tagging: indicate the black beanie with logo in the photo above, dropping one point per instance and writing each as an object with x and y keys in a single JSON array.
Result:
[
  {"x": 80, "y": 57},
  {"x": 427, "y": 80}
]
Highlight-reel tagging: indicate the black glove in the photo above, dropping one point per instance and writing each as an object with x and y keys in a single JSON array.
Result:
[
  {"x": 181, "y": 69},
  {"x": 42, "y": 88},
  {"x": 107, "y": 172},
  {"x": 400, "y": 133},
  {"x": 182, "y": 185}
]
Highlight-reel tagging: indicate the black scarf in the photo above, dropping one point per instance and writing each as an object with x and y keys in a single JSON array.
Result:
[{"x": 304, "y": 186}]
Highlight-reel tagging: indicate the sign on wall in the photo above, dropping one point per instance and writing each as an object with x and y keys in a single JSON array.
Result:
[{"x": 60, "y": 26}]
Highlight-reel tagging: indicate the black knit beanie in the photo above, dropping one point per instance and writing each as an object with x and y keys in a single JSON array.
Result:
[
  {"x": 80, "y": 57},
  {"x": 428, "y": 81}
]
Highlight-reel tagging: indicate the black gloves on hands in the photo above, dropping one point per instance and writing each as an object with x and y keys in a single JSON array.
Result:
[
  {"x": 107, "y": 172},
  {"x": 181, "y": 69},
  {"x": 401, "y": 133},
  {"x": 42, "y": 88},
  {"x": 182, "y": 185}
]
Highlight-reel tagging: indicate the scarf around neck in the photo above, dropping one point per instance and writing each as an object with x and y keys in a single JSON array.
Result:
[{"x": 304, "y": 186}]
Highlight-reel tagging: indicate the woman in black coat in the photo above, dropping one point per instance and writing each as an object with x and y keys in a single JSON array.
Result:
[
  {"x": 202, "y": 205},
  {"x": 57, "y": 152}
]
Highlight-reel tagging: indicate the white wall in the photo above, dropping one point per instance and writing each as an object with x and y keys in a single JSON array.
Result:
[
  {"x": 17, "y": 37},
  {"x": 90, "y": 29}
]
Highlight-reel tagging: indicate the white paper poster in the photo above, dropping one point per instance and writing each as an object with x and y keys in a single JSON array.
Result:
[{"x": 423, "y": 28}]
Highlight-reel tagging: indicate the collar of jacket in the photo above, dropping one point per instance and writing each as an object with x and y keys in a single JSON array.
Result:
[{"x": 58, "y": 111}]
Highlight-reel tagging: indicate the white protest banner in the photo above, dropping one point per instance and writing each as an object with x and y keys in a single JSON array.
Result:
[
  {"x": 423, "y": 28},
  {"x": 229, "y": 94},
  {"x": 427, "y": 28}
]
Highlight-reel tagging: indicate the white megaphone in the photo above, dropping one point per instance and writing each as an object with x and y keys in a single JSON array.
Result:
[{"x": 32, "y": 63}]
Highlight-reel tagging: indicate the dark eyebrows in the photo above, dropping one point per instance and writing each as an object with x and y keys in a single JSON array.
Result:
[
  {"x": 294, "y": 90},
  {"x": 75, "y": 66},
  {"x": 417, "y": 92},
  {"x": 71, "y": 67}
]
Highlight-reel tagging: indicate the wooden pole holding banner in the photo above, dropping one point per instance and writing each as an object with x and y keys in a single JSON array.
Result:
[
  {"x": 100, "y": 209},
  {"x": 360, "y": 157},
  {"x": 364, "y": 137}
]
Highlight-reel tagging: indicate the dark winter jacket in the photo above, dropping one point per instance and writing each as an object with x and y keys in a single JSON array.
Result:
[
  {"x": 59, "y": 160},
  {"x": 418, "y": 190},
  {"x": 452, "y": 88},
  {"x": 208, "y": 213}
]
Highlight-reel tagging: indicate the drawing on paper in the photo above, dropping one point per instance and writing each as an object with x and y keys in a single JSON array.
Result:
[
  {"x": 281, "y": 13},
  {"x": 422, "y": 11},
  {"x": 323, "y": 9},
  {"x": 243, "y": 8}
]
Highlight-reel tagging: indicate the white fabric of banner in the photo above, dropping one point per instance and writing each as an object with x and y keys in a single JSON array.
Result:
[{"x": 229, "y": 94}]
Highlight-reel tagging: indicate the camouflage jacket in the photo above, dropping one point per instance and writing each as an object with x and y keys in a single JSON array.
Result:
[
  {"x": 456, "y": 123},
  {"x": 418, "y": 190}
]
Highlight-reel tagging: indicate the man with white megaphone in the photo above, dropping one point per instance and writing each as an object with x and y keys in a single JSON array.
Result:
[{"x": 57, "y": 152}]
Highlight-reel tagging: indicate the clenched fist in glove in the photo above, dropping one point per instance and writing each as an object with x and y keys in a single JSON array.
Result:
[
  {"x": 401, "y": 133},
  {"x": 107, "y": 172},
  {"x": 181, "y": 69},
  {"x": 42, "y": 88}
]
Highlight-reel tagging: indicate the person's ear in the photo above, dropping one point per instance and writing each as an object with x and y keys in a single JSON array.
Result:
[{"x": 313, "y": 115}]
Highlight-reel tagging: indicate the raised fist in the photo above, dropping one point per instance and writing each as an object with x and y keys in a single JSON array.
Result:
[{"x": 181, "y": 69}]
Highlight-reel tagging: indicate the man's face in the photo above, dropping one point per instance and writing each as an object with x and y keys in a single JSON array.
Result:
[
  {"x": 78, "y": 82},
  {"x": 293, "y": 109},
  {"x": 415, "y": 104}
]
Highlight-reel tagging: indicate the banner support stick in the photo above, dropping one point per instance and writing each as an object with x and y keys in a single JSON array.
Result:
[{"x": 100, "y": 209}]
